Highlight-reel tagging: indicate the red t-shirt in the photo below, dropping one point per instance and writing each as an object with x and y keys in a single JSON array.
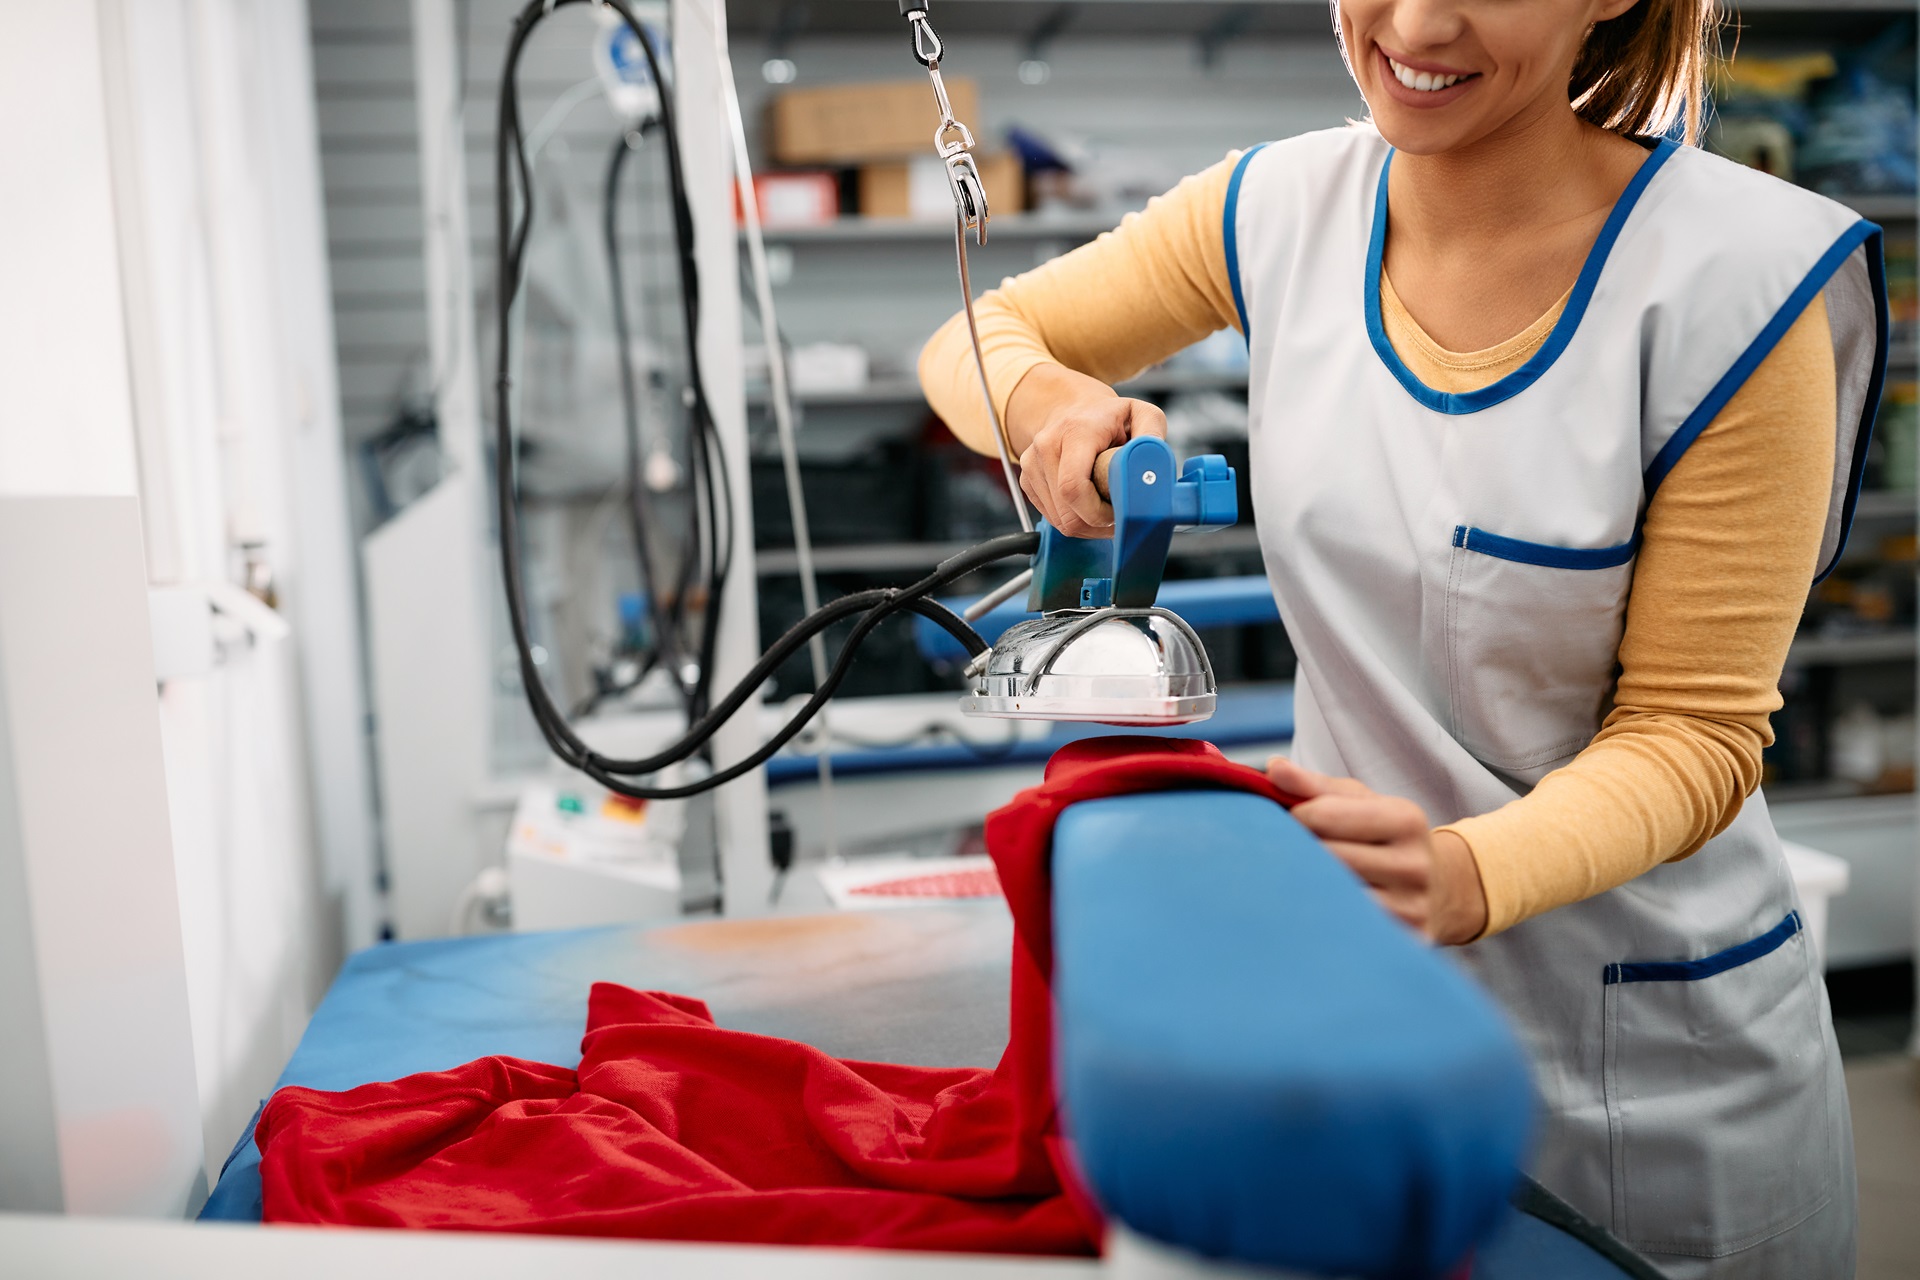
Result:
[{"x": 673, "y": 1128}]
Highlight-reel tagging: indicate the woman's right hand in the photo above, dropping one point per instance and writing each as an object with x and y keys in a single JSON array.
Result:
[{"x": 1079, "y": 419}]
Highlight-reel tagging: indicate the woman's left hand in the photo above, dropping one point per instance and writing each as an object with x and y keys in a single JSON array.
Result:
[{"x": 1427, "y": 878}]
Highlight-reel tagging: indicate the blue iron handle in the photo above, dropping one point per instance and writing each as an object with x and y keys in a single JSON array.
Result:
[{"x": 1149, "y": 502}]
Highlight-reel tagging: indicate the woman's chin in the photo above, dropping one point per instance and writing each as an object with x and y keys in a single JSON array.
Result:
[{"x": 1421, "y": 135}]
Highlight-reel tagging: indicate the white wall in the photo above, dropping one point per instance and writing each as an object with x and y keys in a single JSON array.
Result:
[
  {"x": 97, "y": 1109},
  {"x": 63, "y": 425},
  {"x": 216, "y": 179}
]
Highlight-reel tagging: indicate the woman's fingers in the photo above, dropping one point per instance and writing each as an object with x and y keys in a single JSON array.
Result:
[
  {"x": 1033, "y": 480},
  {"x": 1145, "y": 419},
  {"x": 1409, "y": 909},
  {"x": 1385, "y": 841},
  {"x": 1382, "y": 866},
  {"x": 1305, "y": 783},
  {"x": 1394, "y": 875},
  {"x": 1074, "y": 489},
  {"x": 1372, "y": 819},
  {"x": 1056, "y": 471}
]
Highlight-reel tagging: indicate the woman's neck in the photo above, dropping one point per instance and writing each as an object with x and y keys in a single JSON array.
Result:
[
  {"x": 1531, "y": 174},
  {"x": 1482, "y": 239}
]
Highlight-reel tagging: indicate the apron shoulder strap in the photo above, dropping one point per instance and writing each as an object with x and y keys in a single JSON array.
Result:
[{"x": 1728, "y": 258}]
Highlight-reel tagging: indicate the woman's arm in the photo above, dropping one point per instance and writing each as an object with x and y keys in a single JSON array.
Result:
[
  {"x": 1058, "y": 337},
  {"x": 1729, "y": 545}
]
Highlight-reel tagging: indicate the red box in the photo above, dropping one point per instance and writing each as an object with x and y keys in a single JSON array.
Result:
[{"x": 792, "y": 199}]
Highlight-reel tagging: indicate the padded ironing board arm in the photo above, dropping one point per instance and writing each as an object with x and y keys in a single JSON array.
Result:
[{"x": 1255, "y": 1062}]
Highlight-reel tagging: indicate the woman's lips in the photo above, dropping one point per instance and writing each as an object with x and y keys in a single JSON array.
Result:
[{"x": 1413, "y": 96}]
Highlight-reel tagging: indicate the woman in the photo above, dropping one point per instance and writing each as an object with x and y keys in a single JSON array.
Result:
[{"x": 1553, "y": 421}]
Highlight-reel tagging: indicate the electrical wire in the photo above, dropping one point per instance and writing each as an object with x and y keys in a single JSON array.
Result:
[
  {"x": 710, "y": 524},
  {"x": 667, "y": 617},
  {"x": 873, "y": 607}
]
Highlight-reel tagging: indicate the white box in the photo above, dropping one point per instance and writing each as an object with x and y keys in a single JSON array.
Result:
[
  {"x": 1819, "y": 878},
  {"x": 577, "y": 858}
]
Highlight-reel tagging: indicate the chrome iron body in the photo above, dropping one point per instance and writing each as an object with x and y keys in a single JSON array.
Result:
[
  {"x": 1105, "y": 666},
  {"x": 1101, "y": 651}
]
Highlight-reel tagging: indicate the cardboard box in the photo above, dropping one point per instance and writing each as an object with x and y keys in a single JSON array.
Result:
[
  {"x": 918, "y": 188},
  {"x": 850, "y": 124},
  {"x": 792, "y": 199}
]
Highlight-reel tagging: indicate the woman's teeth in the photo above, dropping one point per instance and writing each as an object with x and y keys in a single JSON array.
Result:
[{"x": 1424, "y": 81}]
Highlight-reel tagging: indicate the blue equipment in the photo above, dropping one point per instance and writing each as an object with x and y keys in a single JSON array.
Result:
[{"x": 1103, "y": 650}]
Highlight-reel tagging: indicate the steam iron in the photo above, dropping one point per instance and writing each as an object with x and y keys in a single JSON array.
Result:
[{"x": 1102, "y": 651}]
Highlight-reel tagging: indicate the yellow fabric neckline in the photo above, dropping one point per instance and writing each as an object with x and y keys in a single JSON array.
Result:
[{"x": 1458, "y": 371}]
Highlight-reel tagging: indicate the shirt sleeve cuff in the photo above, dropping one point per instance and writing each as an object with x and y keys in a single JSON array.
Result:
[{"x": 1496, "y": 868}]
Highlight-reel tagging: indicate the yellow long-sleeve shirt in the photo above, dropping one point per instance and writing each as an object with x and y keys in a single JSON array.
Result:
[{"x": 1728, "y": 546}]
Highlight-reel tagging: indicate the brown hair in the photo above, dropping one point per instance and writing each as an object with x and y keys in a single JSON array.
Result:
[{"x": 1645, "y": 70}]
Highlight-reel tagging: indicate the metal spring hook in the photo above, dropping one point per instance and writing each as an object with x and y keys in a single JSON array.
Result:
[{"x": 953, "y": 143}]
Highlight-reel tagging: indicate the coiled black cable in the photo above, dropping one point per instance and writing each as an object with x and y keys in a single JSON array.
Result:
[
  {"x": 512, "y": 173},
  {"x": 666, "y": 617}
]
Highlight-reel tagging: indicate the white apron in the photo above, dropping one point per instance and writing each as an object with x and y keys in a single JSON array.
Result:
[{"x": 1453, "y": 572}]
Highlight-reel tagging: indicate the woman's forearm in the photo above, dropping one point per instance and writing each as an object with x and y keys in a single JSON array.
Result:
[
  {"x": 1043, "y": 395},
  {"x": 951, "y": 380},
  {"x": 1085, "y": 320},
  {"x": 1729, "y": 546}
]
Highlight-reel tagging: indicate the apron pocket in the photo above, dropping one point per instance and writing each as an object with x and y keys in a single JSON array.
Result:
[
  {"x": 1532, "y": 644},
  {"x": 1717, "y": 1097}
]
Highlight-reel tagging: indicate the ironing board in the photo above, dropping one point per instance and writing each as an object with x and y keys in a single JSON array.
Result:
[{"x": 926, "y": 985}]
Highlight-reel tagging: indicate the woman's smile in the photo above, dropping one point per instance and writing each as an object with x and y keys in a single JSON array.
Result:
[{"x": 1419, "y": 83}]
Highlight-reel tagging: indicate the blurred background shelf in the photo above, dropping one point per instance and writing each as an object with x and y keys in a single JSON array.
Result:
[
  {"x": 1891, "y": 646},
  {"x": 902, "y": 391},
  {"x": 1005, "y": 226},
  {"x": 1887, "y": 504},
  {"x": 1883, "y": 208},
  {"x": 917, "y": 557}
]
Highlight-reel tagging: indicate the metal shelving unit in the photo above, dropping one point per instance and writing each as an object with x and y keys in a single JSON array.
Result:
[
  {"x": 1887, "y": 504},
  {"x": 888, "y": 557},
  {"x": 1849, "y": 650},
  {"x": 902, "y": 391},
  {"x": 1085, "y": 226},
  {"x": 1883, "y": 207},
  {"x": 1006, "y": 226}
]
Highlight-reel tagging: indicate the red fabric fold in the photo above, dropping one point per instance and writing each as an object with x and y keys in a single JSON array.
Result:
[{"x": 673, "y": 1128}]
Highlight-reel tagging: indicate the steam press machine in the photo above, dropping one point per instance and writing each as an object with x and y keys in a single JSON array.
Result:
[{"x": 1102, "y": 650}]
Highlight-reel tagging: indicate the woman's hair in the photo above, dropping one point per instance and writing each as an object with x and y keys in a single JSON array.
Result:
[{"x": 1646, "y": 70}]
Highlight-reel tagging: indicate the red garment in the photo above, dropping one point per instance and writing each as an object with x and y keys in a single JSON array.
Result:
[{"x": 673, "y": 1128}]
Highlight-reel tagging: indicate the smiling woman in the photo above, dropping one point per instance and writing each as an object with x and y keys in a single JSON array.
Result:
[
  {"x": 1639, "y": 69},
  {"x": 1552, "y": 419}
]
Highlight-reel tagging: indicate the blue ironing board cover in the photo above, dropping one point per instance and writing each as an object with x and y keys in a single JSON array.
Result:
[
  {"x": 1256, "y": 1062},
  {"x": 925, "y": 986}
]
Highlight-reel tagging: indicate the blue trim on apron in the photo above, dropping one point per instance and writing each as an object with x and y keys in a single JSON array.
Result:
[
  {"x": 1719, "y": 962},
  {"x": 1862, "y": 233},
  {"x": 1542, "y": 553},
  {"x": 1230, "y": 234},
  {"x": 1540, "y": 361}
]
